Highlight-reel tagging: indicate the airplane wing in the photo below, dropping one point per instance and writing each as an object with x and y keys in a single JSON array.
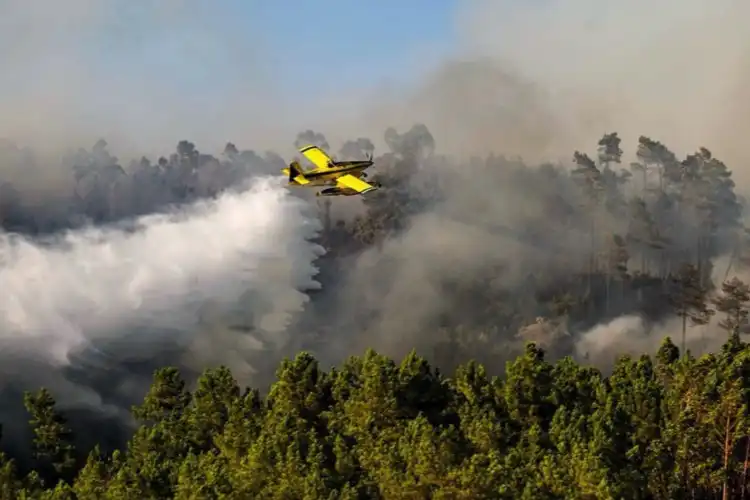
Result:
[
  {"x": 299, "y": 179},
  {"x": 317, "y": 156},
  {"x": 351, "y": 182}
]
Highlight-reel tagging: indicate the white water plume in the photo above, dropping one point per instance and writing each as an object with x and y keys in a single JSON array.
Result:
[{"x": 87, "y": 287}]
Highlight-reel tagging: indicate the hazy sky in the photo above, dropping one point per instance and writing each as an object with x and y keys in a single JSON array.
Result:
[
  {"x": 148, "y": 73},
  {"x": 334, "y": 44},
  {"x": 321, "y": 46},
  {"x": 218, "y": 70}
]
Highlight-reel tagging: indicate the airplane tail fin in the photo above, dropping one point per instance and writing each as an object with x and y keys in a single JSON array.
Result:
[{"x": 294, "y": 171}]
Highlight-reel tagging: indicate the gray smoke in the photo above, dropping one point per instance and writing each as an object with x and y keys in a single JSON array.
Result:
[
  {"x": 534, "y": 79},
  {"x": 108, "y": 297}
]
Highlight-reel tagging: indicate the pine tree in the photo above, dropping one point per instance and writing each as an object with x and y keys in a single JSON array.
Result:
[
  {"x": 9, "y": 482},
  {"x": 52, "y": 438},
  {"x": 734, "y": 302},
  {"x": 589, "y": 177},
  {"x": 212, "y": 403},
  {"x": 688, "y": 298},
  {"x": 91, "y": 482},
  {"x": 166, "y": 399}
]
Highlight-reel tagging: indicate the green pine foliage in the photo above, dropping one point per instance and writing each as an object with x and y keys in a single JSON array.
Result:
[{"x": 660, "y": 428}]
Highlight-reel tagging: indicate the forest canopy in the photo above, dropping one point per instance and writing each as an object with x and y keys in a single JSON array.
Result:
[{"x": 663, "y": 427}]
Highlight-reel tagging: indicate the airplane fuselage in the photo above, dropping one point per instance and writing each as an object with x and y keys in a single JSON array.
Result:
[{"x": 328, "y": 176}]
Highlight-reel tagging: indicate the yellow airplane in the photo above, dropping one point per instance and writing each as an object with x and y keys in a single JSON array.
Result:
[{"x": 346, "y": 176}]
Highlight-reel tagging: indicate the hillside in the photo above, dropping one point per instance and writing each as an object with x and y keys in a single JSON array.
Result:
[{"x": 461, "y": 261}]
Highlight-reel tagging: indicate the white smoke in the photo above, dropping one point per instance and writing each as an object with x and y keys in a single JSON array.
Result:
[
  {"x": 628, "y": 334},
  {"x": 631, "y": 335},
  {"x": 126, "y": 292}
]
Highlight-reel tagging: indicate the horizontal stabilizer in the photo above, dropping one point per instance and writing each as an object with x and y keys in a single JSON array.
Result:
[{"x": 296, "y": 176}]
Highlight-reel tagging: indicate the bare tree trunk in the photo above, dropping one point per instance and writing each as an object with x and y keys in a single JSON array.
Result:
[
  {"x": 661, "y": 178},
  {"x": 731, "y": 262},
  {"x": 699, "y": 261},
  {"x": 744, "y": 466},
  {"x": 727, "y": 443},
  {"x": 606, "y": 294},
  {"x": 592, "y": 263},
  {"x": 684, "y": 330}
]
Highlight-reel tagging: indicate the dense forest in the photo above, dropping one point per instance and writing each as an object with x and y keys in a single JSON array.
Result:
[
  {"x": 464, "y": 261},
  {"x": 668, "y": 427}
]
